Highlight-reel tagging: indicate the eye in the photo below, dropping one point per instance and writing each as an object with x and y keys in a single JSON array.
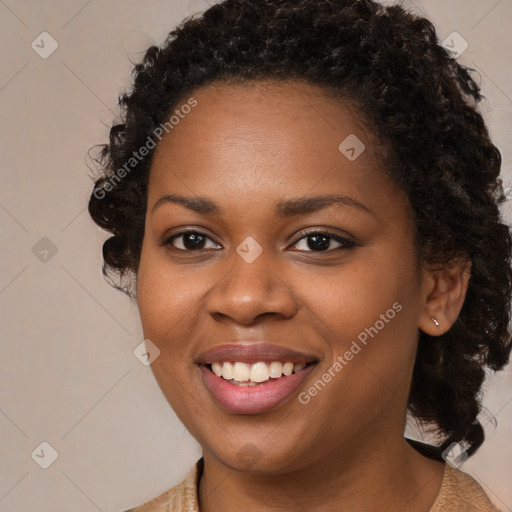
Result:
[
  {"x": 317, "y": 241},
  {"x": 190, "y": 241},
  {"x": 321, "y": 241}
]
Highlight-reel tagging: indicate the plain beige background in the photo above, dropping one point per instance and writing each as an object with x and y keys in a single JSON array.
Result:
[{"x": 68, "y": 375}]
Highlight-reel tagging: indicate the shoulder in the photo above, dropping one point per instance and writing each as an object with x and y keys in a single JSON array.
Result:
[
  {"x": 182, "y": 497},
  {"x": 461, "y": 493}
]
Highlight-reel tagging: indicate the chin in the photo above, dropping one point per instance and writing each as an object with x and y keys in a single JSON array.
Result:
[{"x": 259, "y": 458}]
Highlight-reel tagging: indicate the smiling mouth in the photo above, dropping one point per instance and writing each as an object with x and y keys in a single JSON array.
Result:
[
  {"x": 254, "y": 377},
  {"x": 244, "y": 374}
]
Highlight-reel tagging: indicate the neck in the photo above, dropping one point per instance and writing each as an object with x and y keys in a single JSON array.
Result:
[{"x": 387, "y": 476}]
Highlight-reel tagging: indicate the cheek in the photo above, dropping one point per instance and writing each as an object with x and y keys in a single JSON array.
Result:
[
  {"x": 167, "y": 303},
  {"x": 350, "y": 299},
  {"x": 165, "y": 297},
  {"x": 368, "y": 316}
]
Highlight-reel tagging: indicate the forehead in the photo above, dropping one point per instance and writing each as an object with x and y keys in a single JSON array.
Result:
[
  {"x": 291, "y": 109},
  {"x": 266, "y": 139}
]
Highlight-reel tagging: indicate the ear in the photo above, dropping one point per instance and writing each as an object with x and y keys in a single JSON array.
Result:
[{"x": 445, "y": 292}]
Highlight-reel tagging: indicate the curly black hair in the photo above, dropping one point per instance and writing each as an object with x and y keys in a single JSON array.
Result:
[{"x": 418, "y": 100}]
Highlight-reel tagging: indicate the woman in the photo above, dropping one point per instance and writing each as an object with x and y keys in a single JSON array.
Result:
[{"x": 303, "y": 200}]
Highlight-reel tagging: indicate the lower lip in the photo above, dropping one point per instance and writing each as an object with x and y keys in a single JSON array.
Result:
[{"x": 253, "y": 399}]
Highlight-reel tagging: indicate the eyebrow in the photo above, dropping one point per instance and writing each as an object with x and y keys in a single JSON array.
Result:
[{"x": 288, "y": 208}]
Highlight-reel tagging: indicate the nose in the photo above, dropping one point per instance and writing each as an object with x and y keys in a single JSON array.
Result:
[{"x": 249, "y": 291}]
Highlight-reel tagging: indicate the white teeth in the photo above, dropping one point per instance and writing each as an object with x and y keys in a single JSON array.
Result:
[
  {"x": 241, "y": 372},
  {"x": 276, "y": 369},
  {"x": 248, "y": 374},
  {"x": 288, "y": 368},
  {"x": 298, "y": 367},
  {"x": 227, "y": 371},
  {"x": 259, "y": 372},
  {"x": 217, "y": 369}
]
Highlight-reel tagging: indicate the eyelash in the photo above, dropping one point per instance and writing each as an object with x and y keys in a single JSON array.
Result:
[{"x": 346, "y": 244}]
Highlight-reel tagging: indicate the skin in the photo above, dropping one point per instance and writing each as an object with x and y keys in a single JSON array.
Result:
[{"x": 248, "y": 148}]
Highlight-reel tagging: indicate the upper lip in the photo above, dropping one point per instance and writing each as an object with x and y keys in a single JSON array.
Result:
[{"x": 253, "y": 352}]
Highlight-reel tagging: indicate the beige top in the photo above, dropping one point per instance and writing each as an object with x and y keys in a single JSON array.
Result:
[{"x": 459, "y": 493}]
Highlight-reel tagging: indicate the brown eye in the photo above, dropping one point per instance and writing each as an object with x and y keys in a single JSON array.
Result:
[
  {"x": 322, "y": 242},
  {"x": 190, "y": 241}
]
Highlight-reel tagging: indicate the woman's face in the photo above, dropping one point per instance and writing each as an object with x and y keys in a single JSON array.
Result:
[{"x": 304, "y": 255}]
